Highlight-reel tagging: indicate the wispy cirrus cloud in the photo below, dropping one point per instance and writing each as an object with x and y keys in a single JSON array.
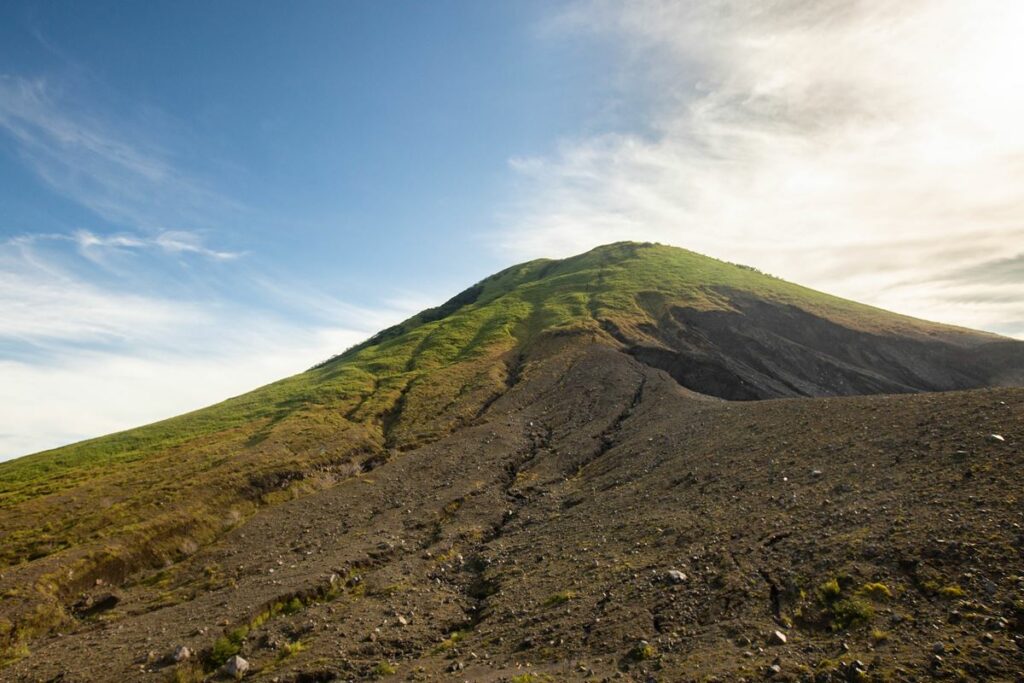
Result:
[
  {"x": 93, "y": 245},
  {"x": 871, "y": 149},
  {"x": 115, "y": 167}
]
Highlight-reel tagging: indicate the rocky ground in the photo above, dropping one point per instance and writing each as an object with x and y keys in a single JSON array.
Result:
[{"x": 600, "y": 522}]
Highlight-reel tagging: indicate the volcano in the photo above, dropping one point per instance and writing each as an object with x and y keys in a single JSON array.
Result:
[{"x": 636, "y": 464}]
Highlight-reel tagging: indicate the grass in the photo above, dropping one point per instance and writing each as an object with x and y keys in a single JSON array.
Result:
[
  {"x": 559, "y": 598},
  {"x": 290, "y": 649},
  {"x": 147, "y": 497},
  {"x": 642, "y": 651},
  {"x": 453, "y": 639},
  {"x": 843, "y": 610},
  {"x": 383, "y": 669},
  {"x": 876, "y": 591},
  {"x": 951, "y": 591}
]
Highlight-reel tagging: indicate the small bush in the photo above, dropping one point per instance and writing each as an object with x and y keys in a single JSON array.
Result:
[
  {"x": 951, "y": 591},
  {"x": 850, "y": 612},
  {"x": 829, "y": 591}
]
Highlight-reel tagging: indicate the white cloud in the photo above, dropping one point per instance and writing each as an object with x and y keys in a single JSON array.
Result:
[{"x": 867, "y": 148}]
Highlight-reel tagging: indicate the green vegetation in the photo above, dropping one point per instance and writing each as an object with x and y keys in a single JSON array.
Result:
[
  {"x": 829, "y": 591},
  {"x": 951, "y": 591},
  {"x": 290, "y": 649},
  {"x": 384, "y": 669},
  {"x": 451, "y": 641},
  {"x": 227, "y": 646},
  {"x": 840, "y": 609},
  {"x": 559, "y": 598},
  {"x": 642, "y": 651},
  {"x": 876, "y": 591}
]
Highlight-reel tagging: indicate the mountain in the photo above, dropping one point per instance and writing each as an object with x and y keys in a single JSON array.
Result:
[{"x": 566, "y": 471}]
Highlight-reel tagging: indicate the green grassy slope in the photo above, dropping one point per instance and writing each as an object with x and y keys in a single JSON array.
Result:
[{"x": 148, "y": 496}]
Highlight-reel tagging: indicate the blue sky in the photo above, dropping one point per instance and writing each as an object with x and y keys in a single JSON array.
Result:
[{"x": 198, "y": 198}]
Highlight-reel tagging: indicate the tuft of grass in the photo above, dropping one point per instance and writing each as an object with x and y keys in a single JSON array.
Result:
[
  {"x": 559, "y": 598},
  {"x": 453, "y": 639},
  {"x": 879, "y": 636},
  {"x": 290, "y": 649},
  {"x": 642, "y": 651},
  {"x": 849, "y": 613},
  {"x": 876, "y": 591},
  {"x": 188, "y": 672},
  {"x": 293, "y": 606},
  {"x": 829, "y": 591},
  {"x": 951, "y": 591},
  {"x": 383, "y": 669}
]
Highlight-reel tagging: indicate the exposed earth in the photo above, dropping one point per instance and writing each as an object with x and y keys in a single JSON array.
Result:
[{"x": 583, "y": 503}]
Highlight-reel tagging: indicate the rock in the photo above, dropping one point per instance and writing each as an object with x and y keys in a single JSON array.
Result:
[
  {"x": 402, "y": 620},
  {"x": 236, "y": 666},
  {"x": 938, "y": 648},
  {"x": 987, "y": 638},
  {"x": 777, "y": 638},
  {"x": 774, "y": 670},
  {"x": 995, "y": 438},
  {"x": 676, "y": 576},
  {"x": 181, "y": 654}
]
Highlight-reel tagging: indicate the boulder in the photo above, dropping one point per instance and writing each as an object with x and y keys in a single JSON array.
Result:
[
  {"x": 675, "y": 576},
  {"x": 236, "y": 666}
]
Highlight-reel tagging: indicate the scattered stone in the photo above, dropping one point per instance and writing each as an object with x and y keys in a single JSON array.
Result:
[
  {"x": 938, "y": 648},
  {"x": 987, "y": 638},
  {"x": 236, "y": 666},
  {"x": 777, "y": 638},
  {"x": 996, "y": 438},
  {"x": 181, "y": 654},
  {"x": 402, "y": 620},
  {"x": 676, "y": 576}
]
